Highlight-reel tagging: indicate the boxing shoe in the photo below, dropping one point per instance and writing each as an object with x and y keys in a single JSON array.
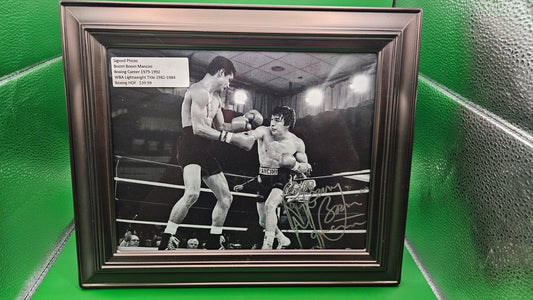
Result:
[
  {"x": 283, "y": 242},
  {"x": 268, "y": 240},
  {"x": 173, "y": 243},
  {"x": 266, "y": 246}
]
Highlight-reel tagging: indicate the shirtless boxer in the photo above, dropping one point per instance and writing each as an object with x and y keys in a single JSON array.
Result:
[
  {"x": 280, "y": 152},
  {"x": 204, "y": 127}
]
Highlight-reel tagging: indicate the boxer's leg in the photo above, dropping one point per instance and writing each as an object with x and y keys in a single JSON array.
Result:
[
  {"x": 271, "y": 221},
  {"x": 220, "y": 188},
  {"x": 192, "y": 182}
]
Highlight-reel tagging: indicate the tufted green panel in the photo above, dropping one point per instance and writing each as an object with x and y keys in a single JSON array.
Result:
[
  {"x": 29, "y": 34},
  {"x": 481, "y": 49},
  {"x": 470, "y": 201},
  {"x": 470, "y": 193},
  {"x": 470, "y": 210},
  {"x": 35, "y": 193}
]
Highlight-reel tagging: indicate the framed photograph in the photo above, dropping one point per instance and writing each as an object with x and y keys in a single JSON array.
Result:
[{"x": 223, "y": 145}]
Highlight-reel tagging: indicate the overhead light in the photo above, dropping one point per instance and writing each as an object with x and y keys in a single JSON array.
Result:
[
  {"x": 240, "y": 97},
  {"x": 360, "y": 83},
  {"x": 314, "y": 96}
]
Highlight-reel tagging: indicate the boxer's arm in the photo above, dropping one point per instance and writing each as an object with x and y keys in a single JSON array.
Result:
[
  {"x": 258, "y": 133},
  {"x": 300, "y": 152},
  {"x": 218, "y": 121},
  {"x": 242, "y": 140},
  {"x": 201, "y": 125},
  {"x": 298, "y": 162},
  {"x": 301, "y": 158}
]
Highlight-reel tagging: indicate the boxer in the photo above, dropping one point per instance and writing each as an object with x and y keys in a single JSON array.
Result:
[
  {"x": 280, "y": 153},
  {"x": 203, "y": 127}
]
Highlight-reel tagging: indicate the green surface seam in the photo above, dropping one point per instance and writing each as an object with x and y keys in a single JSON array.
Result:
[
  {"x": 512, "y": 130},
  {"x": 37, "y": 277},
  {"x": 425, "y": 272},
  {"x": 21, "y": 72}
]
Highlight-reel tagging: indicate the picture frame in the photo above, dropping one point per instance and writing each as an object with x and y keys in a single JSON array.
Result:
[{"x": 126, "y": 123}]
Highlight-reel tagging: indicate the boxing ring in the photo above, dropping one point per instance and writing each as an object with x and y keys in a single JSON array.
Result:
[{"x": 309, "y": 201}]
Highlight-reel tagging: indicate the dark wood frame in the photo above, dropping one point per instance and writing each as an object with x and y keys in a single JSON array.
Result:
[{"x": 89, "y": 28}]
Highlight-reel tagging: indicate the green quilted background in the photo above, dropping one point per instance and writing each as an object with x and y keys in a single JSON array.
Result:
[
  {"x": 470, "y": 209},
  {"x": 35, "y": 191}
]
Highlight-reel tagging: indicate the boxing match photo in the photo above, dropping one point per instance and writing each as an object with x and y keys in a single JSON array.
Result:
[
  {"x": 252, "y": 150},
  {"x": 227, "y": 145}
]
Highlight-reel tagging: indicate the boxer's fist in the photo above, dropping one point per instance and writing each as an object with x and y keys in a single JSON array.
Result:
[
  {"x": 254, "y": 117},
  {"x": 303, "y": 168},
  {"x": 287, "y": 161},
  {"x": 241, "y": 123}
]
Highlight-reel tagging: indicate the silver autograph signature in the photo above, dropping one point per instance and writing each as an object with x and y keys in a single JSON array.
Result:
[{"x": 333, "y": 218}]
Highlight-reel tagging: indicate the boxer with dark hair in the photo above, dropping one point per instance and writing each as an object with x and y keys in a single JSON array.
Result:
[
  {"x": 280, "y": 153},
  {"x": 204, "y": 127}
]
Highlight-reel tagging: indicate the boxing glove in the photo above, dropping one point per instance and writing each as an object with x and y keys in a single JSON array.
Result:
[
  {"x": 289, "y": 161},
  {"x": 255, "y": 118},
  {"x": 241, "y": 123},
  {"x": 303, "y": 168}
]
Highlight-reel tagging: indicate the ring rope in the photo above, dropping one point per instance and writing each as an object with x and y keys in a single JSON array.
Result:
[
  {"x": 148, "y": 161},
  {"x": 242, "y": 228},
  {"x": 324, "y": 231},
  {"x": 181, "y": 225},
  {"x": 336, "y": 175},
  {"x": 315, "y": 195},
  {"x": 239, "y": 176},
  {"x": 170, "y": 165},
  {"x": 176, "y": 186},
  {"x": 244, "y": 176}
]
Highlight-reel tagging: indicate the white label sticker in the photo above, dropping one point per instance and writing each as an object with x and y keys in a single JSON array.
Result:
[{"x": 150, "y": 71}]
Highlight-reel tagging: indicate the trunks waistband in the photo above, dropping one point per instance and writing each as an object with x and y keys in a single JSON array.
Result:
[{"x": 268, "y": 171}]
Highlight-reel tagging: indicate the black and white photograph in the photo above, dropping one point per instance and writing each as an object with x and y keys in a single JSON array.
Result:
[{"x": 252, "y": 150}]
